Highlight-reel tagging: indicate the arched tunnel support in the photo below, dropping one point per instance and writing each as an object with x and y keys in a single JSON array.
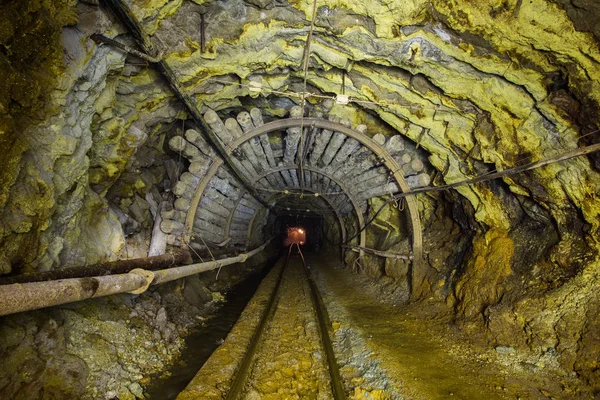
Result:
[
  {"x": 388, "y": 161},
  {"x": 384, "y": 156},
  {"x": 359, "y": 216}
]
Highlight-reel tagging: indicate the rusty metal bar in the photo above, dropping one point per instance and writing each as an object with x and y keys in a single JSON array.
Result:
[
  {"x": 18, "y": 297},
  {"x": 250, "y": 227},
  {"x": 230, "y": 218},
  {"x": 98, "y": 38},
  {"x": 115, "y": 267},
  {"x": 31, "y": 296},
  {"x": 202, "y": 34},
  {"x": 379, "y": 253}
]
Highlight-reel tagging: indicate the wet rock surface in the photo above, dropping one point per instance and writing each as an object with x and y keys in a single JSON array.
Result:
[
  {"x": 96, "y": 349},
  {"x": 475, "y": 86}
]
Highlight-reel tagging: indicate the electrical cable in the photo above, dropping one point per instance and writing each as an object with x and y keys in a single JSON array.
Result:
[
  {"x": 351, "y": 99},
  {"x": 489, "y": 176}
]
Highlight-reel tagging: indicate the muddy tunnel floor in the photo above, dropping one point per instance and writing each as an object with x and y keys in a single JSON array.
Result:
[
  {"x": 391, "y": 351},
  {"x": 385, "y": 350}
]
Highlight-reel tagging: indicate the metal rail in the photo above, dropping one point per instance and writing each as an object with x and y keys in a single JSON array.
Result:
[
  {"x": 324, "y": 330},
  {"x": 241, "y": 375},
  {"x": 237, "y": 385}
]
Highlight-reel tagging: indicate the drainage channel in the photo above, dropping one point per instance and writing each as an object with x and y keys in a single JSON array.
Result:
[{"x": 200, "y": 344}]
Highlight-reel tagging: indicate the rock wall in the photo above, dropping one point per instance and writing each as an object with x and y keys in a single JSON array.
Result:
[
  {"x": 109, "y": 348},
  {"x": 477, "y": 86}
]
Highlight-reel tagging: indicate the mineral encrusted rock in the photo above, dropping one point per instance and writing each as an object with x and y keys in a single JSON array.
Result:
[{"x": 88, "y": 132}]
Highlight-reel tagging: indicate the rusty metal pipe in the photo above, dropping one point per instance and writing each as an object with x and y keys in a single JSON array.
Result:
[
  {"x": 171, "y": 274},
  {"x": 108, "y": 268},
  {"x": 18, "y": 297}
]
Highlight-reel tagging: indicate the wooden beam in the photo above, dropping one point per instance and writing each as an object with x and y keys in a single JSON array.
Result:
[{"x": 417, "y": 234}]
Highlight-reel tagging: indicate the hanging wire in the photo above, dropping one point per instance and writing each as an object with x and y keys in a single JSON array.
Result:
[
  {"x": 402, "y": 203},
  {"x": 301, "y": 194},
  {"x": 194, "y": 250},
  {"x": 352, "y": 99},
  {"x": 211, "y": 256},
  {"x": 308, "y": 209},
  {"x": 303, "y": 98},
  {"x": 479, "y": 179},
  {"x": 390, "y": 188}
]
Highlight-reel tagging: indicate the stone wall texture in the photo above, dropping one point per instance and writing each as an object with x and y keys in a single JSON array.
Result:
[{"x": 478, "y": 86}]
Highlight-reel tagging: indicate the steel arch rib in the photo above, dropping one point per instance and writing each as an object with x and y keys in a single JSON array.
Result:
[
  {"x": 200, "y": 189},
  {"x": 191, "y": 213},
  {"x": 230, "y": 218},
  {"x": 359, "y": 215},
  {"x": 388, "y": 161}
]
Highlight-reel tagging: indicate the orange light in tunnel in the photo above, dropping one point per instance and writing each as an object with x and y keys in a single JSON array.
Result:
[{"x": 295, "y": 236}]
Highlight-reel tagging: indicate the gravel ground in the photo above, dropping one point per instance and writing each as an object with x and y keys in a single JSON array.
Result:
[
  {"x": 290, "y": 363},
  {"x": 388, "y": 350}
]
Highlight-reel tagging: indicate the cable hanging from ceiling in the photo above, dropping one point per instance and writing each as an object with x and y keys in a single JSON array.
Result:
[{"x": 488, "y": 176}]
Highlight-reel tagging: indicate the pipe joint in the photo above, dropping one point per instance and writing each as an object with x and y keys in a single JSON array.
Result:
[{"x": 147, "y": 276}]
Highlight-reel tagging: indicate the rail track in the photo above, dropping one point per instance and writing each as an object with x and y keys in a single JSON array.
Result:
[{"x": 289, "y": 354}]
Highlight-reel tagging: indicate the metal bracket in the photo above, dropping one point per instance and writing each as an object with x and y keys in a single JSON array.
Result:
[{"x": 148, "y": 277}]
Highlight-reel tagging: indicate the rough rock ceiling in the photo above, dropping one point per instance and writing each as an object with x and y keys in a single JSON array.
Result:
[
  {"x": 477, "y": 87},
  {"x": 92, "y": 144}
]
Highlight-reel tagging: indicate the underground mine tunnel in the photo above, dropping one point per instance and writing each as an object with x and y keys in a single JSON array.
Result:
[{"x": 272, "y": 199}]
